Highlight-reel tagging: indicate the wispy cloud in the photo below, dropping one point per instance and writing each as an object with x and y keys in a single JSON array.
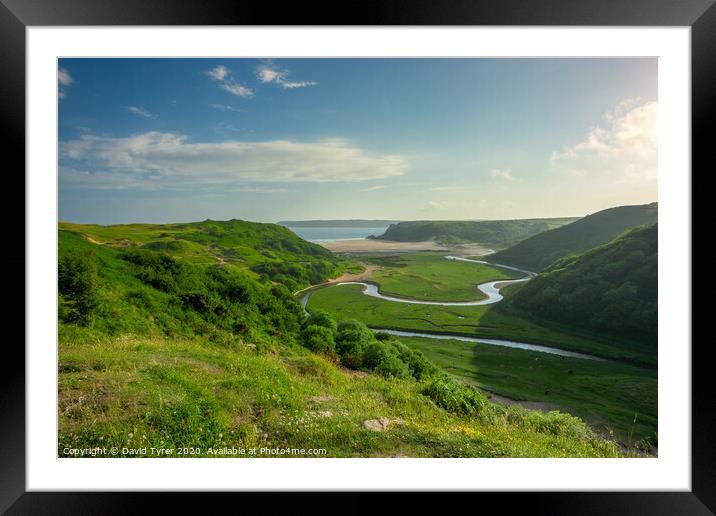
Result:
[
  {"x": 141, "y": 112},
  {"x": 270, "y": 73},
  {"x": 373, "y": 188},
  {"x": 625, "y": 145},
  {"x": 219, "y": 73},
  {"x": 443, "y": 188},
  {"x": 164, "y": 160},
  {"x": 504, "y": 174},
  {"x": 258, "y": 189},
  {"x": 63, "y": 79},
  {"x": 223, "y": 77},
  {"x": 225, "y": 107}
]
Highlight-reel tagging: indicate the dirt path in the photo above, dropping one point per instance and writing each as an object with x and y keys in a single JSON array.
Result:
[
  {"x": 92, "y": 240},
  {"x": 347, "y": 276},
  {"x": 542, "y": 406}
]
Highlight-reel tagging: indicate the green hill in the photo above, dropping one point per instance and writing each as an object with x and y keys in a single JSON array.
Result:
[
  {"x": 538, "y": 252},
  {"x": 161, "y": 351},
  {"x": 268, "y": 250},
  {"x": 612, "y": 288},
  {"x": 492, "y": 233}
]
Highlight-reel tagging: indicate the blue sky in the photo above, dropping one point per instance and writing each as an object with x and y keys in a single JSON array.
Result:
[{"x": 170, "y": 140}]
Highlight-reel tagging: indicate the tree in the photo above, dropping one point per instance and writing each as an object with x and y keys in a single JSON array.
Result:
[{"x": 78, "y": 285}]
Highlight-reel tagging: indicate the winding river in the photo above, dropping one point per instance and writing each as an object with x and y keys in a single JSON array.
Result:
[
  {"x": 491, "y": 289},
  {"x": 494, "y": 342}
]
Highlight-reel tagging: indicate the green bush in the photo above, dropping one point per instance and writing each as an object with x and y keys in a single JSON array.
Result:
[
  {"x": 420, "y": 367},
  {"x": 351, "y": 340},
  {"x": 383, "y": 359},
  {"x": 324, "y": 319},
  {"x": 458, "y": 398},
  {"x": 78, "y": 285},
  {"x": 318, "y": 339},
  {"x": 553, "y": 422}
]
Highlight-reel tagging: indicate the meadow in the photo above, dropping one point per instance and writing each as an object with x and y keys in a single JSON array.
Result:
[
  {"x": 616, "y": 399},
  {"x": 429, "y": 276},
  {"x": 489, "y": 321}
]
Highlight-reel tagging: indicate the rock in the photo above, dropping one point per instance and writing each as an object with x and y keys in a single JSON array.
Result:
[
  {"x": 319, "y": 399},
  {"x": 324, "y": 413},
  {"x": 377, "y": 425}
]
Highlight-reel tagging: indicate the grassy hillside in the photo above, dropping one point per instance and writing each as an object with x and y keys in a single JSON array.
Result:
[
  {"x": 612, "y": 288},
  {"x": 538, "y": 252},
  {"x": 267, "y": 250},
  {"x": 493, "y": 233},
  {"x": 158, "y": 351}
]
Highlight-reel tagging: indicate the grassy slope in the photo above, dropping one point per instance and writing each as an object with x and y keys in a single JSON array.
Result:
[
  {"x": 430, "y": 276},
  {"x": 150, "y": 370},
  {"x": 611, "y": 288},
  {"x": 607, "y": 395},
  {"x": 538, "y": 252},
  {"x": 347, "y": 301},
  {"x": 155, "y": 392},
  {"x": 494, "y": 233},
  {"x": 261, "y": 248}
]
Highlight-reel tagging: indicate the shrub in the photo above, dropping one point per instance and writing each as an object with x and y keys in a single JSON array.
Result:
[
  {"x": 383, "y": 359},
  {"x": 458, "y": 398},
  {"x": 78, "y": 284},
  {"x": 351, "y": 340},
  {"x": 420, "y": 367},
  {"x": 324, "y": 319},
  {"x": 553, "y": 422},
  {"x": 318, "y": 339},
  {"x": 358, "y": 326}
]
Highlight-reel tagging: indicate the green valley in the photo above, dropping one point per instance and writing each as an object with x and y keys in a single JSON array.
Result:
[
  {"x": 430, "y": 276},
  {"x": 161, "y": 346}
]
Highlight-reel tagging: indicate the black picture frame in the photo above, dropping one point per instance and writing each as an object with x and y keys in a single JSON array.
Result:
[{"x": 17, "y": 15}]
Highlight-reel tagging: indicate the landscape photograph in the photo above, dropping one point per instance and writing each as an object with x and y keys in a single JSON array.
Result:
[{"x": 358, "y": 258}]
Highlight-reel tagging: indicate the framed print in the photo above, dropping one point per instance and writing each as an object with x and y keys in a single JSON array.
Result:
[{"x": 421, "y": 252}]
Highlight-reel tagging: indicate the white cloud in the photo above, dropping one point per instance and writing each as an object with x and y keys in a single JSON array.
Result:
[
  {"x": 373, "y": 188},
  {"x": 299, "y": 84},
  {"x": 625, "y": 146},
  {"x": 164, "y": 160},
  {"x": 269, "y": 73},
  {"x": 258, "y": 189},
  {"x": 443, "y": 188},
  {"x": 266, "y": 73},
  {"x": 219, "y": 73},
  {"x": 225, "y": 107},
  {"x": 502, "y": 173},
  {"x": 222, "y": 75},
  {"x": 141, "y": 112},
  {"x": 63, "y": 79},
  {"x": 237, "y": 89}
]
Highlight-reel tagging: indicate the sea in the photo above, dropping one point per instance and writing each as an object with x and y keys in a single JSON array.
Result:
[{"x": 320, "y": 235}]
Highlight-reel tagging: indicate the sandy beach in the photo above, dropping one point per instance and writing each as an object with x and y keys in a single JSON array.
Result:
[{"x": 368, "y": 246}]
